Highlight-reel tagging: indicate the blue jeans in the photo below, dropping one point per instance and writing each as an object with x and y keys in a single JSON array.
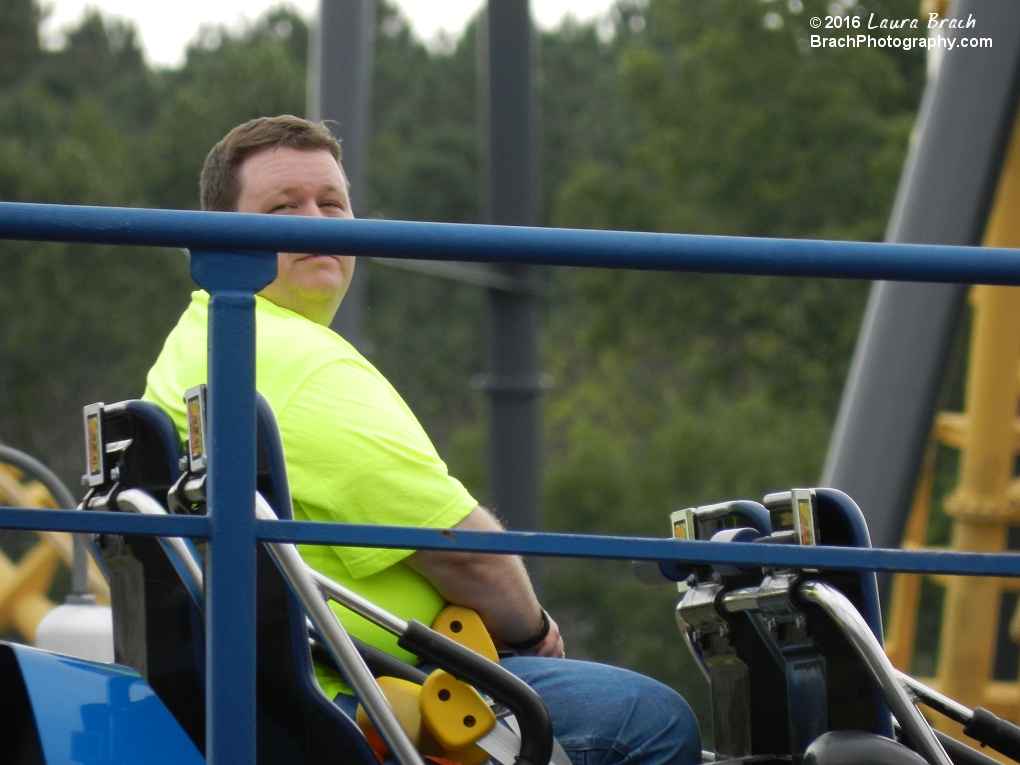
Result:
[{"x": 605, "y": 715}]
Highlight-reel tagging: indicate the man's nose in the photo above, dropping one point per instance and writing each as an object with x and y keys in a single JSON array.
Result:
[{"x": 310, "y": 208}]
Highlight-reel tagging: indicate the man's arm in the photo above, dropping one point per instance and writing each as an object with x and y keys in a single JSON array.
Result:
[{"x": 496, "y": 586}]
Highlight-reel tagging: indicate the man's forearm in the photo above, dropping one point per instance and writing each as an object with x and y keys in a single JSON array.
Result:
[{"x": 496, "y": 586}]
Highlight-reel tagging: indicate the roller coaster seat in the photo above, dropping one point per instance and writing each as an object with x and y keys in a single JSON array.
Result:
[
  {"x": 782, "y": 672},
  {"x": 158, "y": 625}
]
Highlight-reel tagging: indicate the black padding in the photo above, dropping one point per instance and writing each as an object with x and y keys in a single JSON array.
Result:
[
  {"x": 1001, "y": 735},
  {"x": 157, "y": 628},
  {"x": 960, "y": 753},
  {"x": 153, "y": 461},
  {"x": 380, "y": 663},
  {"x": 854, "y": 703},
  {"x": 20, "y": 743},
  {"x": 854, "y": 747}
]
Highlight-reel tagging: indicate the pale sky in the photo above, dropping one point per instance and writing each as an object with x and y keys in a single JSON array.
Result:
[{"x": 165, "y": 28}]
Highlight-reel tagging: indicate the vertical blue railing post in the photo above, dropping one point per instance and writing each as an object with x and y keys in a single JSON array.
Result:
[{"x": 231, "y": 279}]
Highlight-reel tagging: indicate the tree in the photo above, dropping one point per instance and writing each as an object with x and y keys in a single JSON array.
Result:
[
  {"x": 677, "y": 389},
  {"x": 80, "y": 323},
  {"x": 226, "y": 79}
]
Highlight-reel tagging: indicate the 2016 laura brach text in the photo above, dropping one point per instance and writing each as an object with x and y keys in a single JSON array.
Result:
[{"x": 934, "y": 22}]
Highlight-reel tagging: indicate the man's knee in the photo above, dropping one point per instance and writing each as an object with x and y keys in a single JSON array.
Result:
[
  {"x": 630, "y": 717},
  {"x": 661, "y": 717}
]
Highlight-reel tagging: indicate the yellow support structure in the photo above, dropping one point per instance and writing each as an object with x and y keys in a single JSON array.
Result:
[
  {"x": 986, "y": 501},
  {"x": 24, "y": 585},
  {"x": 980, "y": 508}
]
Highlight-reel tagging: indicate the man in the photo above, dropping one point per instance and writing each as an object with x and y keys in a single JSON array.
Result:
[{"x": 356, "y": 453}]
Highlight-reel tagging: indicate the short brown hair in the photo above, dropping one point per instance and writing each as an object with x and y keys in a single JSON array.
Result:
[{"x": 219, "y": 183}]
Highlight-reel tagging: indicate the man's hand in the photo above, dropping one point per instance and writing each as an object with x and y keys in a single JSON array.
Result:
[
  {"x": 552, "y": 646},
  {"x": 496, "y": 586}
]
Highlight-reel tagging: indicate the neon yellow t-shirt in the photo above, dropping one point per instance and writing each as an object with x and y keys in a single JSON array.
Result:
[{"x": 355, "y": 453}]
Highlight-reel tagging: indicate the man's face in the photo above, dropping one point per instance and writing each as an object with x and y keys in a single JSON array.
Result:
[{"x": 285, "y": 181}]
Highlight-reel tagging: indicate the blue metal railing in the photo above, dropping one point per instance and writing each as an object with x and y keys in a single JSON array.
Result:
[
  {"x": 511, "y": 244},
  {"x": 232, "y": 257}
]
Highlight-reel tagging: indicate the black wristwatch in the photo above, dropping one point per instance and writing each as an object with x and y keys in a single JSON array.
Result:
[{"x": 534, "y": 641}]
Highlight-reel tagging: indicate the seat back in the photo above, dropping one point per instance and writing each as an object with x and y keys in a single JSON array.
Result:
[
  {"x": 851, "y": 701},
  {"x": 161, "y": 626},
  {"x": 294, "y": 714},
  {"x": 854, "y": 703},
  {"x": 782, "y": 672},
  {"x": 157, "y": 626}
]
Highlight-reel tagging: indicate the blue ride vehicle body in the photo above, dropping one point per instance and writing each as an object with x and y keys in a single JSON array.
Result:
[{"x": 59, "y": 709}]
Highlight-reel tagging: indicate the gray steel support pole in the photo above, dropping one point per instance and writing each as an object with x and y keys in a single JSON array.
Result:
[
  {"x": 945, "y": 197},
  {"x": 514, "y": 382},
  {"x": 340, "y": 89}
]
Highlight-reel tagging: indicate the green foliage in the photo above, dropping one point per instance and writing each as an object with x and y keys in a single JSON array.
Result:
[
  {"x": 424, "y": 152},
  {"x": 226, "y": 80},
  {"x": 92, "y": 124},
  {"x": 585, "y": 117},
  {"x": 748, "y": 131},
  {"x": 81, "y": 324},
  {"x": 675, "y": 390}
]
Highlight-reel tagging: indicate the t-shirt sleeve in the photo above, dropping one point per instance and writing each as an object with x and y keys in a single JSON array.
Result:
[{"x": 356, "y": 454}]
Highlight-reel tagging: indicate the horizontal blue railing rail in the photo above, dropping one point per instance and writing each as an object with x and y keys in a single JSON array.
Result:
[
  {"x": 534, "y": 543},
  {"x": 511, "y": 244},
  {"x": 233, "y": 257}
]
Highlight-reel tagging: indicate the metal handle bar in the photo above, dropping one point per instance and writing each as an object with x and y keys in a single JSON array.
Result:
[
  {"x": 860, "y": 636},
  {"x": 296, "y": 572},
  {"x": 359, "y": 605},
  {"x": 952, "y": 709},
  {"x": 141, "y": 502},
  {"x": 980, "y": 724},
  {"x": 754, "y": 599}
]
